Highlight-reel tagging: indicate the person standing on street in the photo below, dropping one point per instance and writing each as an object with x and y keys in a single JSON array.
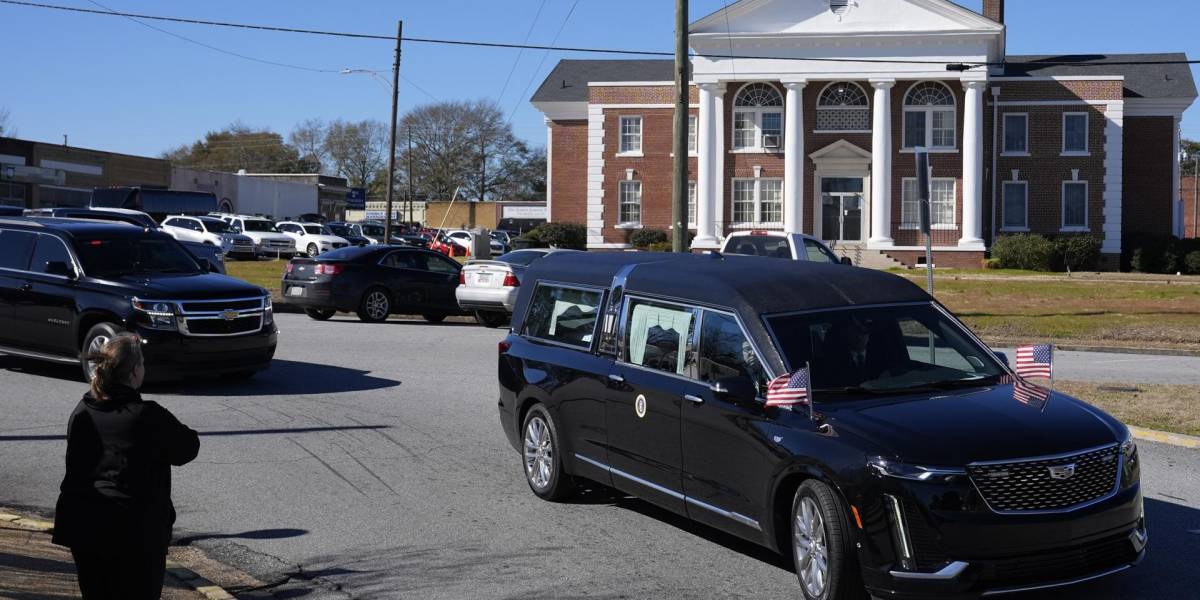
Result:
[{"x": 114, "y": 511}]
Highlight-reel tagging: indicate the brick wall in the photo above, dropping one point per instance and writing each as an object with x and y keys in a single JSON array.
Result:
[
  {"x": 941, "y": 260},
  {"x": 1188, "y": 191},
  {"x": 945, "y": 165},
  {"x": 568, "y": 184},
  {"x": 814, "y": 141},
  {"x": 741, "y": 165},
  {"x": 639, "y": 94},
  {"x": 653, "y": 169},
  {"x": 1149, "y": 175},
  {"x": 1061, "y": 90}
]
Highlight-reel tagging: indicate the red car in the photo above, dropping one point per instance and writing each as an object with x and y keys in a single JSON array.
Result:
[{"x": 440, "y": 243}]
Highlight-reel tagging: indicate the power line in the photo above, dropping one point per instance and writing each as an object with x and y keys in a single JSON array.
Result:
[
  {"x": 533, "y": 76},
  {"x": 521, "y": 53}
]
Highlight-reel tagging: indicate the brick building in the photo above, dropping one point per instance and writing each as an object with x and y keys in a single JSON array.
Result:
[
  {"x": 816, "y": 132},
  {"x": 41, "y": 175}
]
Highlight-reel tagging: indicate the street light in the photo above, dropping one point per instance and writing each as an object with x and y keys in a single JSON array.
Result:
[
  {"x": 375, "y": 74},
  {"x": 392, "y": 149}
]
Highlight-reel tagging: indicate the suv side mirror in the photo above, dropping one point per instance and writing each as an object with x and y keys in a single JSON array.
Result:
[
  {"x": 846, "y": 261},
  {"x": 737, "y": 389},
  {"x": 60, "y": 268}
]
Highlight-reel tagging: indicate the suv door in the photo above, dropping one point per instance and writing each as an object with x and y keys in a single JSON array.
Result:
[
  {"x": 727, "y": 451},
  {"x": 15, "y": 248},
  {"x": 46, "y": 314},
  {"x": 646, "y": 387}
]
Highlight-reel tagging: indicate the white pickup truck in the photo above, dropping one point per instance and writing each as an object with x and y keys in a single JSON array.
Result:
[{"x": 777, "y": 244}]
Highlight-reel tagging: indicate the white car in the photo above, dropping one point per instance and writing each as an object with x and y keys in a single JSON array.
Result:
[
  {"x": 489, "y": 287},
  {"x": 311, "y": 239},
  {"x": 777, "y": 244},
  {"x": 463, "y": 237},
  {"x": 267, "y": 239},
  {"x": 208, "y": 230}
]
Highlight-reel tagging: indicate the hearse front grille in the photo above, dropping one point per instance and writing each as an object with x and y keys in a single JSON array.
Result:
[{"x": 1029, "y": 486}]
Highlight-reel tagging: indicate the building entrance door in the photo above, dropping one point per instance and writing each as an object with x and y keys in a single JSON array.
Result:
[{"x": 841, "y": 209}]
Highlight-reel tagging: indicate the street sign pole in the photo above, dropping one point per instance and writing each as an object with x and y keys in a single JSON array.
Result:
[
  {"x": 391, "y": 174},
  {"x": 923, "y": 193}
]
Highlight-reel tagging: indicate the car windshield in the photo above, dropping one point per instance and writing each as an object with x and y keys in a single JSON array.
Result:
[
  {"x": 316, "y": 229},
  {"x": 520, "y": 257},
  {"x": 112, "y": 258},
  {"x": 883, "y": 350},
  {"x": 261, "y": 226},
  {"x": 372, "y": 230},
  {"x": 216, "y": 226}
]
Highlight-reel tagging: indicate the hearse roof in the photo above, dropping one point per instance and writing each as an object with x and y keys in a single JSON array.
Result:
[{"x": 750, "y": 284}]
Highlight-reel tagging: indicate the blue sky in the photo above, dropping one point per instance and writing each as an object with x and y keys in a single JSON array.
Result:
[{"x": 115, "y": 85}]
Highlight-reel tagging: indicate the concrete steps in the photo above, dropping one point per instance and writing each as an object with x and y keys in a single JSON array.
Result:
[{"x": 862, "y": 257}]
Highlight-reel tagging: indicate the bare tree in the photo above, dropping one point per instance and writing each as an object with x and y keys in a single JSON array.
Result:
[
  {"x": 240, "y": 147},
  {"x": 358, "y": 152},
  {"x": 308, "y": 138},
  {"x": 6, "y": 130}
]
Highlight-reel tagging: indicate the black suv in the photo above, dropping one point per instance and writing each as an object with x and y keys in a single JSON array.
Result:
[
  {"x": 68, "y": 286},
  {"x": 918, "y": 465}
]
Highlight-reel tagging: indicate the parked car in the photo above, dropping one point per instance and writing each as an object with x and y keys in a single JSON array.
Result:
[
  {"x": 11, "y": 211},
  {"x": 268, "y": 241},
  {"x": 372, "y": 231},
  {"x": 209, "y": 230},
  {"x": 463, "y": 238},
  {"x": 311, "y": 239},
  {"x": 918, "y": 465},
  {"x": 374, "y": 282},
  {"x": 777, "y": 244},
  {"x": 157, "y": 203},
  {"x": 68, "y": 286},
  {"x": 444, "y": 245},
  {"x": 122, "y": 215},
  {"x": 349, "y": 232},
  {"x": 488, "y": 288}
]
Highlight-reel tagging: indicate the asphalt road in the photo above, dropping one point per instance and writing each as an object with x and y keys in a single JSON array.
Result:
[
  {"x": 368, "y": 463},
  {"x": 1122, "y": 368}
]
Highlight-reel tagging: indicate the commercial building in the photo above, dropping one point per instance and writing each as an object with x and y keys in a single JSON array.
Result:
[
  {"x": 805, "y": 115},
  {"x": 41, "y": 175},
  {"x": 274, "y": 197}
]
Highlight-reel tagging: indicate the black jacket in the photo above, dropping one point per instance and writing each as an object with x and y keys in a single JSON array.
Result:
[{"x": 117, "y": 489}]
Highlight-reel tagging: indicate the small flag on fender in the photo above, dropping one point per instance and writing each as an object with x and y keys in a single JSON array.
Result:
[
  {"x": 1035, "y": 361},
  {"x": 789, "y": 389}
]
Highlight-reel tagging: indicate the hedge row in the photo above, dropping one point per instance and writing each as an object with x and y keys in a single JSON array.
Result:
[
  {"x": 1033, "y": 252},
  {"x": 1161, "y": 254},
  {"x": 571, "y": 236}
]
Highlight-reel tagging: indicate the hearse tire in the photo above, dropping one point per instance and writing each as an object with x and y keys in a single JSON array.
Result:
[
  {"x": 96, "y": 337},
  {"x": 541, "y": 459},
  {"x": 824, "y": 539}
]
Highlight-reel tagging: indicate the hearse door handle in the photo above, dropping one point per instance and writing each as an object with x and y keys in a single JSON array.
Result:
[
  {"x": 616, "y": 378},
  {"x": 28, "y": 287},
  {"x": 693, "y": 399}
]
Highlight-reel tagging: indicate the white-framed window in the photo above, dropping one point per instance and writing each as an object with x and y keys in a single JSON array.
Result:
[
  {"x": 629, "y": 198},
  {"x": 758, "y": 118},
  {"x": 691, "y": 211},
  {"x": 929, "y": 116},
  {"x": 757, "y": 202},
  {"x": 1074, "y": 205},
  {"x": 843, "y": 106},
  {"x": 631, "y": 135},
  {"x": 692, "y": 134},
  {"x": 1016, "y": 206},
  {"x": 943, "y": 197},
  {"x": 1016, "y": 133},
  {"x": 1075, "y": 133}
]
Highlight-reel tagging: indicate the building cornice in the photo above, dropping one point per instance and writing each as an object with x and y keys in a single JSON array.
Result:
[{"x": 1157, "y": 107}]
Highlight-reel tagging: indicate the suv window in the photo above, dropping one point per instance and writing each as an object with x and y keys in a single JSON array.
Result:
[
  {"x": 48, "y": 249},
  {"x": 761, "y": 245},
  {"x": 565, "y": 315},
  {"x": 818, "y": 253},
  {"x": 658, "y": 336},
  {"x": 15, "y": 248},
  {"x": 112, "y": 258},
  {"x": 725, "y": 352}
]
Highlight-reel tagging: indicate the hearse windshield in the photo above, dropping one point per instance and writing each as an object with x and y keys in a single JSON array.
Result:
[
  {"x": 113, "y": 258},
  {"x": 883, "y": 350}
]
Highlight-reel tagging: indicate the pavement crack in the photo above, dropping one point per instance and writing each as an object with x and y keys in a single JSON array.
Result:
[{"x": 328, "y": 466}]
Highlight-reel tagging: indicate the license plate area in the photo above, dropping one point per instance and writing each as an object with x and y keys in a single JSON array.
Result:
[{"x": 295, "y": 290}]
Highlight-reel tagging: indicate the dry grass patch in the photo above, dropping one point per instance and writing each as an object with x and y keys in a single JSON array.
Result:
[{"x": 1174, "y": 408}]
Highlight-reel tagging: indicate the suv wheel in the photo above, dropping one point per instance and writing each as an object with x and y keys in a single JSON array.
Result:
[
  {"x": 540, "y": 456},
  {"x": 375, "y": 305},
  {"x": 434, "y": 318},
  {"x": 319, "y": 314},
  {"x": 821, "y": 545},
  {"x": 490, "y": 319},
  {"x": 99, "y": 335},
  {"x": 313, "y": 251}
]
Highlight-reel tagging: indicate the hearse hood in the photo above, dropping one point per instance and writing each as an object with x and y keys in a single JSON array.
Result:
[
  {"x": 954, "y": 428},
  {"x": 185, "y": 287}
]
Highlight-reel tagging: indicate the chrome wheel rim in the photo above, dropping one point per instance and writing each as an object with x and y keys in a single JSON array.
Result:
[
  {"x": 313, "y": 251},
  {"x": 377, "y": 305},
  {"x": 812, "y": 555},
  {"x": 96, "y": 344},
  {"x": 539, "y": 453}
]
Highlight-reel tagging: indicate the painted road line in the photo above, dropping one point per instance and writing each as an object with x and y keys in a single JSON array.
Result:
[{"x": 1162, "y": 437}]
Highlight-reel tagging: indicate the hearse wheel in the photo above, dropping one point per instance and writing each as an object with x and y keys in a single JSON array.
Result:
[
  {"x": 540, "y": 456},
  {"x": 319, "y": 314},
  {"x": 99, "y": 335},
  {"x": 821, "y": 545},
  {"x": 375, "y": 306}
]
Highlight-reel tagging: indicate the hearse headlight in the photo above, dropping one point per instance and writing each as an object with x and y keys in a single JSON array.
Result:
[
  {"x": 1131, "y": 470},
  {"x": 901, "y": 470},
  {"x": 155, "y": 315}
]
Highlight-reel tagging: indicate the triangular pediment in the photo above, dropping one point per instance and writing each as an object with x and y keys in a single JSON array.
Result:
[
  {"x": 823, "y": 17},
  {"x": 840, "y": 151}
]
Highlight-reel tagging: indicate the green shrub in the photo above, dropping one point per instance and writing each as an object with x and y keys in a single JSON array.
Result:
[
  {"x": 1191, "y": 262},
  {"x": 1076, "y": 252},
  {"x": 991, "y": 263},
  {"x": 1024, "y": 251},
  {"x": 572, "y": 236},
  {"x": 659, "y": 247},
  {"x": 644, "y": 238}
]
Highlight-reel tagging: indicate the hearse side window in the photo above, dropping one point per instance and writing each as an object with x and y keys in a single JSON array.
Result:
[
  {"x": 657, "y": 336},
  {"x": 564, "y": 315},
  {"x": 49, "y": 249},
  {"x": 15, "y": 248},
  {"x": 725, "y": 352}
]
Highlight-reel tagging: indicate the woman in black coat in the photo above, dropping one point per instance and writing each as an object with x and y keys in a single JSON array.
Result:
[{"x": 114, "y": 511}]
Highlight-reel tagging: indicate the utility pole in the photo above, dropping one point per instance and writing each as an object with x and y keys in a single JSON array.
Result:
[
  {"x": 410, "y": 173},
  {"x": 679, "y": 199},
  {"x": 391, "y": 176}
]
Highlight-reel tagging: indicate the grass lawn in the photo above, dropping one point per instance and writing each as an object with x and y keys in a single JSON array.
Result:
[
  {"x": 265, "y": 273},
  {"x": 1162, "y": 407}
]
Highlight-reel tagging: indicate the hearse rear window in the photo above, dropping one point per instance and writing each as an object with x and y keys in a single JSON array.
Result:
[
  {"x": 564, "y": 315},
  {"x": 762, "y": 245}
]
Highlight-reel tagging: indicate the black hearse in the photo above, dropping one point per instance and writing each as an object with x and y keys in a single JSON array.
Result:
[
  {"x": 924, "y": 466},
  {"x": 67, "y": 286}
]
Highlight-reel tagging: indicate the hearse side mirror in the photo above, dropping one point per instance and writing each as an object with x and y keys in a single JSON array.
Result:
[
  {"x": 60, "y": 268},
  {"x": 1003, "y": 357},
  {"x": 737, "y": 389},
  {"x": 846, "y": 261}
]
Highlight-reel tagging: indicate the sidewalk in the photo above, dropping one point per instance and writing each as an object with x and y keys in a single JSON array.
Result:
[{"x": 31, "y": 568}]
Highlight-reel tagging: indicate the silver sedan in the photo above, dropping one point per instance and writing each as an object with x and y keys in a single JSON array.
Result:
[{"x": 489, "y": 287}]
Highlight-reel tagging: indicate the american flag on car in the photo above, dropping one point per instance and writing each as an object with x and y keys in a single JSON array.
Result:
[
  {"x": 1035, "y": 361},
  {"x": 1029, "y": 394},
  {"x": 789, "y": 389}
]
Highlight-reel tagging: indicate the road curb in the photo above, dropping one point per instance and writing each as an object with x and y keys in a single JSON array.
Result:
[
  {"x": 1163, "y": 437},
  {"x": 1005, "y": 343}
]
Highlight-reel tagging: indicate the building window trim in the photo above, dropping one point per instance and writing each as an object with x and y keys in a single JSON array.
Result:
[
  {"x": 626, "y": 140},
  {"x": 1063, "y": 207},
  {"x": 912, "y": 222},
  {"x": 625, "y": 189},
  {"x": 1087, "y": 123},
  {"x": 929, "y": 111},
  {"x": 692, "y": 206},
  {"x": 1024, "y": 135},
  {"x": 757, "y": 113},
  {"x": 1004, "y": 207},
  {"x": 756, "y": 202},
  {"x": 865, "y": 108}
]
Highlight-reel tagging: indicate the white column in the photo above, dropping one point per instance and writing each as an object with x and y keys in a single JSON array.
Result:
[
  {"x": 793, "y": 158},
  {"x": 549, "y": 169},
  {"x": 972, "y": 222},
  {"x": 881, "y": 165},
  {"x": 706, "y": 171}
]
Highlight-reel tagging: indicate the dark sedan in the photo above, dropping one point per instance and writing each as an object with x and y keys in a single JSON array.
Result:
[
  {"x": 345, "y": 231},
  {"x": 374, "y": 282}
]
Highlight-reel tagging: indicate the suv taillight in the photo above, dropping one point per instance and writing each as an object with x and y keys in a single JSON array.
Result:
[{"x": 510, "y": 280}]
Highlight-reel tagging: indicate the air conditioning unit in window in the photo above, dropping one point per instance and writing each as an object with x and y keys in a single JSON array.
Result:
[{"x": 771, "y": 141}]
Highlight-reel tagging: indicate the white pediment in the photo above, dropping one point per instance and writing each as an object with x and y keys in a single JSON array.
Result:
[
  {"x": 841, "y": 153},
  {"x": 819, "y": 17}
]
